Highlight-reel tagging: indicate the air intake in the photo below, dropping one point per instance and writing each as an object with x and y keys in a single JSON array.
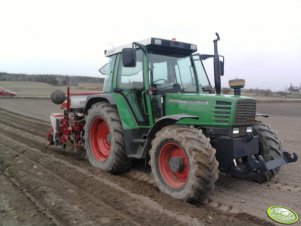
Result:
[{"x": 222, "y": 112}]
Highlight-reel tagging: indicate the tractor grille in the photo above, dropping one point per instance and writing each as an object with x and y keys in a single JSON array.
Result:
[
  {"x": 245, "y": 112},
  {"x": 222, "y": 112}
]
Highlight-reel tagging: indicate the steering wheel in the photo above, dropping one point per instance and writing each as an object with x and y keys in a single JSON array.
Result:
[{"x": 160, "y": 79}]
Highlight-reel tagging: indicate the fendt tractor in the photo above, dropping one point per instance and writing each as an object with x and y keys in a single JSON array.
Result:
[{"x": 158, "y": 104}]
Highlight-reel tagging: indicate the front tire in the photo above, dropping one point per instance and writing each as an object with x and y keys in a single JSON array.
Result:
[
  {"x": 183, "y": 163},
  {"x": 270, "y": 147},
  {"x": 104, "y": 139}
]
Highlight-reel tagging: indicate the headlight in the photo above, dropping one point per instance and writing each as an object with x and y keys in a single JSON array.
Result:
[
  {"x": 235, "y": 130},
  {"x": 249, "y": 129}
]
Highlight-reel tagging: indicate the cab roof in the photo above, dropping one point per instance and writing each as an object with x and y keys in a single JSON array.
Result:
[{"x": 158, "y": 44}]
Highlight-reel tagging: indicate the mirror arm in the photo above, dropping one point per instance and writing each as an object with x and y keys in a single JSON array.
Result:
[{"x": 143, "y": 47}]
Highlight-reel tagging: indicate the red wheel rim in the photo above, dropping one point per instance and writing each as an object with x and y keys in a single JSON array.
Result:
[
  {"x": 173, "y": 179},
  {"x": 99, "y": 139}
]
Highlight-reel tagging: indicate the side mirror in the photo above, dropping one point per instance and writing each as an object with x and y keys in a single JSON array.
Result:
[{"x": 129, "y": 57}]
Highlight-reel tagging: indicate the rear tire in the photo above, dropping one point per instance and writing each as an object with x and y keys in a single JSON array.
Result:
[
  {"x": 104, "y": 139},
  {"x": 198, "y": 171},
  {"x": 270, "y": 147}
]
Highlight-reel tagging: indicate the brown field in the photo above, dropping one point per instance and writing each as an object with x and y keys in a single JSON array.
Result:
[
  {"x": 37, "y": 89},
  {"x": 46, "y": 186}
]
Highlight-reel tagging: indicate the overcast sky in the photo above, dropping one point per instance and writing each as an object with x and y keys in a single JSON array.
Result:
[{"x": 260, "y": 39}]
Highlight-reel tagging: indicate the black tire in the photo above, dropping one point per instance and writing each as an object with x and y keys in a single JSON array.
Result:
[
  {"x": 117, "y": 160},
  {"x": 202, "y": 164},
  {"x": 270, "y": 147}
]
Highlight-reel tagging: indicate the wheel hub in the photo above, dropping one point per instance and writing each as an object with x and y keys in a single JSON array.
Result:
[
  {"x": 176, "y": 164},
  {"x": 108, "y": 138},
  {"x": 173, "y": 165}
]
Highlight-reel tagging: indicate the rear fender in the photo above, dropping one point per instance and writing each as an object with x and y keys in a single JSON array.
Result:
[{"x": 92, "y": 99}]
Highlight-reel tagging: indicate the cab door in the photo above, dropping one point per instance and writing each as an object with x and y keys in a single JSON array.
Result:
[
  {"x": 133, "y": 103},
  {"x": 130, "y": 84}
]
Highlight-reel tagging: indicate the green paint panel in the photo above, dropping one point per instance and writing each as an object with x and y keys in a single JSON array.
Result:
[
  {"x": 212, "y": 110},
  {"x": 127, "y": 118}
]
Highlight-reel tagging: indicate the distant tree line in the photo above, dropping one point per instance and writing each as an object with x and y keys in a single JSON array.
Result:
[
  {"x": 55, "y": 80},
  {"x": 287, "y": 93},
  {"x": 294, "y": 89},
  {"x": 259, "y": 92},
  {"x": 256, "y": 91}
]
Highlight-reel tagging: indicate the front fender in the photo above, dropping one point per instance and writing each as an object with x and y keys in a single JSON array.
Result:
[{"x": 162, "y": 122}]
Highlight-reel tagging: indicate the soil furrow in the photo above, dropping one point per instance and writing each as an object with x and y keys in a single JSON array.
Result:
[
  {"x": 98, "y": 205},
  {"x": 62, "y": 199},
  {"x": 17, "y": 207},
  {"x": 31, "y": 127},
  {"x": 33, "y": 200},
  {"x": 24, "y": 117}
]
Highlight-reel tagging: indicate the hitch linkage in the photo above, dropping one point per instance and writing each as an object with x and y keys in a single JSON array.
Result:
[
  {"x": 288, "y": 157},
  {"x": 258, "y": 164}
]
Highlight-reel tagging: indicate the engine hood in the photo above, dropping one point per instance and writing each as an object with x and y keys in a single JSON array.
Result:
[{"x": 211, "y": 109}]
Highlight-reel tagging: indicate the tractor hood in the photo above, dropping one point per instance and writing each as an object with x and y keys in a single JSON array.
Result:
[{"x": 211, "y": 109}]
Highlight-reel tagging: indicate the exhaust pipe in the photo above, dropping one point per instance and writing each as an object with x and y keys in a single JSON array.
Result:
[{"x": 217, "y": 67}]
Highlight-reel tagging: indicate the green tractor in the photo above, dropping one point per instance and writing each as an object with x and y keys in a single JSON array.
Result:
[{"x": 158, "y": 104}]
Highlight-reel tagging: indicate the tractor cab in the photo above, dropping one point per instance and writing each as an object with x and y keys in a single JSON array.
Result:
[{"x": 145, "y": 72}]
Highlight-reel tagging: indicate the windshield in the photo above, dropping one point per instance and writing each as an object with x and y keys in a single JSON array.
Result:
[
  {"x": 202, "y": 75},
  {"x": 175, "y": 73}
]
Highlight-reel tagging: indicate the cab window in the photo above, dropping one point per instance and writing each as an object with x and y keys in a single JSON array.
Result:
[
  {"x": 131, "y": 77},
  {"x": 107, "y": 70}
]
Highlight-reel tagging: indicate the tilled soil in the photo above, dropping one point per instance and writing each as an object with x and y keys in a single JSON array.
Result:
[{"x": 47, "y": 186}]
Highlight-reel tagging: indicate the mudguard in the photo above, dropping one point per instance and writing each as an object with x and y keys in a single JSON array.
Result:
[
  {"x": 162, "y": 122},
  {"x": 92, "y": 99}
]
